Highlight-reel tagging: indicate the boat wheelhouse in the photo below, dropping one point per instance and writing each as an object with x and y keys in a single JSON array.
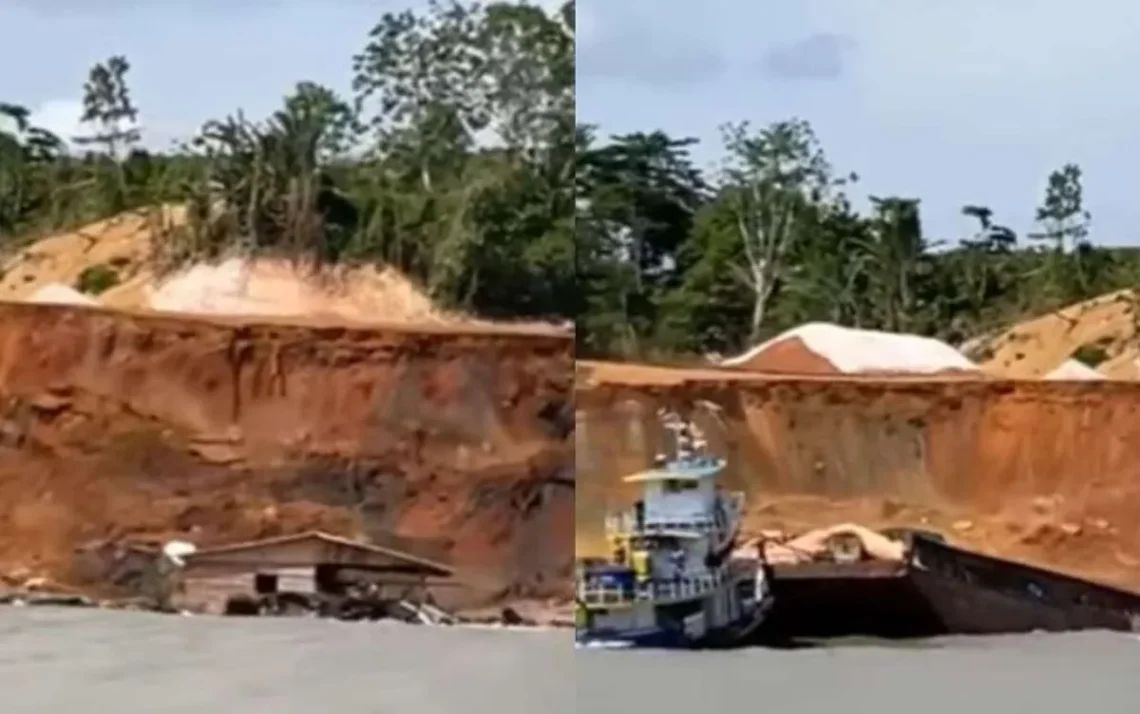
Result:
[{"x": 681, "y": 499}]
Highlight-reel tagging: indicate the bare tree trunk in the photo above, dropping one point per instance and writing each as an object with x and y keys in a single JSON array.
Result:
[
  {"x": 759, "y": 308},
  {"x": 766, "y": 238}
]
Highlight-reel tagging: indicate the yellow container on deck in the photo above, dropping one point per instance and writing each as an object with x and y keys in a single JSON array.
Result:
[{"x": 641, "y": 564}]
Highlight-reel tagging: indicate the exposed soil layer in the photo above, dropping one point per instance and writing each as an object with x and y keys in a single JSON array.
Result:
[
  {"x": 144, "y": 427},
  {"x": 1040, "y": 471},
  {"x": 788, "y": 356}
]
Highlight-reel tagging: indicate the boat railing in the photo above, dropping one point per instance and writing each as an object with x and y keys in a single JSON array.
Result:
[
  {"x": 729, "y": 512},
  {"x": 685, "y": 588},
  {"x": 658, "y": 589},
  {"x": 628, "y": 524}
]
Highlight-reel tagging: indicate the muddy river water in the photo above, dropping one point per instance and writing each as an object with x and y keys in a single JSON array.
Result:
[
  {"x": 80, "y": 660},
  {"x": 67, "y": 661},
  {"x": 1036, "y": 674}
]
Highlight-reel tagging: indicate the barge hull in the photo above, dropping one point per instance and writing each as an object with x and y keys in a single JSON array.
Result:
[
  {"x": 977, "y": 594},
  {"x": 823, "y": 600},
  {"x": 939, "y": 590}
]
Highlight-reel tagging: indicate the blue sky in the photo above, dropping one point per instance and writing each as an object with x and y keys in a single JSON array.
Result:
[
  {"x": 970, "y": 101},
  {"x": 192, "y": 60}
]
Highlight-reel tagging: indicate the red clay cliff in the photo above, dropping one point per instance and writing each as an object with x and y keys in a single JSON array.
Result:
[
  {"x": 144, "y": 427},
  {"x": 1041, "y": 471}
]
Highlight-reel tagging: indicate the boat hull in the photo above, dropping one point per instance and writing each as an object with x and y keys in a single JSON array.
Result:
[{"x": 732, "y": 634}]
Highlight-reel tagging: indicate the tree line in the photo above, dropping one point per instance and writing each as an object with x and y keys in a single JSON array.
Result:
[
  {"x": 676, "y": 261},
  {"x": 452, "y": 160},
  {"x": 456, "y": 158}
]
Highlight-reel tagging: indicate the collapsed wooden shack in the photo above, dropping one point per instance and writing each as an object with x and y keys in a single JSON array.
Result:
[
  {"x": 122, "y": 567},
  {"x": 315, "y": 564}
]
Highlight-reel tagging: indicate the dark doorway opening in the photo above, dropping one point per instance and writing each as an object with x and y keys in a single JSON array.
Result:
[
  {"x": 326, "y": 577},
  {"x": 265, "y": 583}
]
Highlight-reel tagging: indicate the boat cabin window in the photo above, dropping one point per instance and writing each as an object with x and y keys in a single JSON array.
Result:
[{"x": 681, "y": 486}]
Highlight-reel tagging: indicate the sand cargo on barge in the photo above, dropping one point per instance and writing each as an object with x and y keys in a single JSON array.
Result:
[{"x": 933, "y": 588}]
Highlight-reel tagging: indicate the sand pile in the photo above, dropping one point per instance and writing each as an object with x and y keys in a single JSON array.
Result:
[
  {"x": 1104, "y": 327},
  {"x": 822, "y": 348},
  {"x": 816, "y": 543},
  {"x": 122, "y": 246},
  {"x": 279, "y": 288},
  {"x": 1071, "y": 369},
  {"x": 57, "y": 294}
]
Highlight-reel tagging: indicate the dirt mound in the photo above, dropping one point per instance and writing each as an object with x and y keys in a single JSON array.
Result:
[
  {"x": 122, "y": 244},
  {"x": 282, "y": 289},
  {"x": 821, "y": 348},
  {"x": 1103, "y": 329},
  {"x": 1072, "y": 369},
  {"x": 57, "y": 294},
  {"x": 136, "y": 427},
  {"x": 1044, "y": 471},
  {"x": 122, "y": 247}
]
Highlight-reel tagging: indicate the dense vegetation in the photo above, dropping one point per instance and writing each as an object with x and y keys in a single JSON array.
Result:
[
  {"x": 674, "y": 261},
  {"x": 457, "y": 159},
  {"x": 452, "y": 161}
]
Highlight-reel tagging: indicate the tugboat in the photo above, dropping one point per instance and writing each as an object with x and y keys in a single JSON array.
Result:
[{"x": 675, "y": 578}]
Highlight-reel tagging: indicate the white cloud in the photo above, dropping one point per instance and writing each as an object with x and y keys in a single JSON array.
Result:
[{"x": 61, "y": 117}]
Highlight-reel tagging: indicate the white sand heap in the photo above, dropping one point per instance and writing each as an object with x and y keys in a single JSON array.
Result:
[
  {"x": 820, "y": 347},
  {"x": 276, "y": 288},
  {"x": 59, "y": 294},
  {"x": 1071, "y": 369}
]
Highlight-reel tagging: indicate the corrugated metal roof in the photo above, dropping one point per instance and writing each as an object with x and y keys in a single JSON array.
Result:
[{"x": 440, "y": 568}]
